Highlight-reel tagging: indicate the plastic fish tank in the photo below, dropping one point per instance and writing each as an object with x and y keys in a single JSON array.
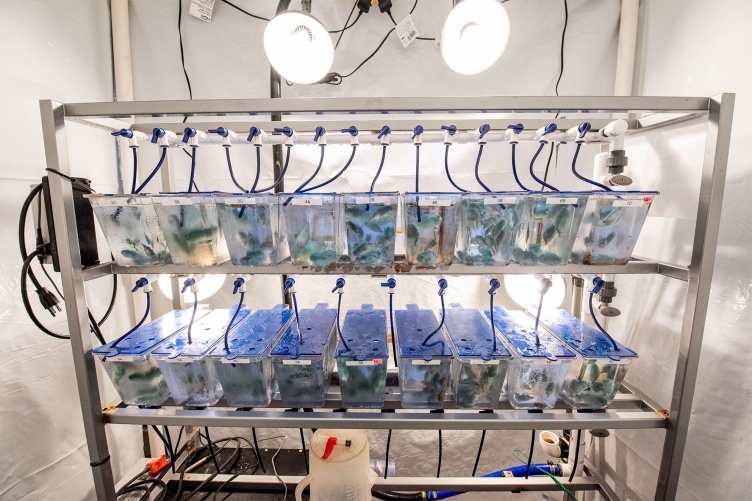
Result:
[
  {"x": 130, "y": 366},
  {"x": 251, "y": 228},
  {"x": 548, "y": 228},
  {"x": 246, "y": 372},
  {"x": 424, "y": 370},
  {"x": 430, "y": 222},
  {"x": 362, "y": 367},
  {"x": 536, "y": 372},
  {"x": 610, "y": 227},
  {"x": 304, "y": 370},
  {"x": 131, "y": 228},
  {"x": 488, "y": 227},
  {"x": 596, "y": 375},
  {"x": 313, "y": 227},
  {"x": 478, "y": 370},
  {"x": 190, "y": 224},
  {"x": 188, "y": 370},
  {"x": 370, "y": 227}
]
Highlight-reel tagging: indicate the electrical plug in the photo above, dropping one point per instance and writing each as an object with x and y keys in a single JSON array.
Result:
[
  {"x": 353, "y": 131},
  {"x": 418, "y": 134},
  {"x": 449, "y": 131},
  {"x": 49, "y": 301},
  {"x": 385, "y": 6}
]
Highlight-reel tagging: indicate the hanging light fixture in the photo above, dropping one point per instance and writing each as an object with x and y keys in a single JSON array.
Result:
[
  {"x": 298, "y": 47},
  {"x": 475, "y": 35}
]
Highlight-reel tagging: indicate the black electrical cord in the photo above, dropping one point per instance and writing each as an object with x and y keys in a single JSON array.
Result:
[
  {"x": 386, "y": 460},
  {"x": 480, "y": 450},
  {"x": 135, "y": 169},
  {"x": 548, "y": 162},
  {"x": 182, "y": 52},
  {"x": 305, "y": 453},
  {"x": 342, "y": 31},
  {"x": 561, "y": 51},
  {"x": 530, "y": 454},
  {"x": 260, "y": 18},
  {"x": 211, "y": 450},
  {"x": 438, "y": 468},
  {"x": 369, "y": 57},
  {"x": 397, "y": 496},
  {"x": 576, "y": 455}
]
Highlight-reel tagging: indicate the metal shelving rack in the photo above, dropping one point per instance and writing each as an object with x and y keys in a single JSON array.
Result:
[{"x": 631, "y": 409}]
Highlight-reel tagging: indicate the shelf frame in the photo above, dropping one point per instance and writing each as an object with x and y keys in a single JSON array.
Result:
[{"x": 657, "y": 112}]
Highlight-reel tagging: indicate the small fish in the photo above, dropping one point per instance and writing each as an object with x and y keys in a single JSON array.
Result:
[
  {"x": 549, "y": 234},
  {"x": 302, "y": 238},
  {"x": 355, "y": 229},
  {"x": 605, "y": 241}
]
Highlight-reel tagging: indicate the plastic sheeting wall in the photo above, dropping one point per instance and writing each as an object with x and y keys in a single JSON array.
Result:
[{"x": 61, "y": 51}]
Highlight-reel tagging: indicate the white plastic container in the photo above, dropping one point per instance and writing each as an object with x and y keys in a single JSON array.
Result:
[
  {"x": 188, "y": 370},
  {"x": 536, "y": 372}
]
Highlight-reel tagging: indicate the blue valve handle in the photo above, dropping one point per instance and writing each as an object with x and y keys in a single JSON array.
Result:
[
  {"x": 483, "y": 130},
  {"x": 583, "y": 129},
  {"x": 548, "y": 130},
  {"x": 320, "y": 131},
  {"x": 352, "y": 130},
  {"x": 237, "y": 285},
  {"x": 339, "y": 284},
  {"x": 188, "y": 282},
  {"x": 123, "y": 133},
  {"x": 288, "y": 284},
  {"x": 156, "y": 133},
  {"x": 384, "y": 131},
  {"x": 517, "y": 128},
  {"x": 494, "y": 285},
  {"x": 451, "y": 129},
  {"x": 220, "y": 130},
  {"x": 287, "y": 131},
  {"x": 188, "y": 133},
  {"x": 253, "y": 132},
  {"x": 417, "y": 130},
  {"x": 141, "y": 282},
  {"x": 391, "y": 283},
  {"x": 442, "y": 286}
]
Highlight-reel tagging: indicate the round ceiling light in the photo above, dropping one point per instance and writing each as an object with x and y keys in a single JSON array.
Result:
[
  {"x": 298, "y": 47},
  {"x": 475, "y": 35}
]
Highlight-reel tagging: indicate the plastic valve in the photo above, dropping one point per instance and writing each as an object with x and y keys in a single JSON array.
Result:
[
  {"x": 221, "y": 131},
  {"x": 482, "y": 131},
  {"x": 123, "y": 133},
  {"x": 188, "y": 133},
  {"x": 384, "y": 134},
  {"x": 494, "y": 283},
  {"x": 289, "y": 285},
  {"x": 449, "y": 131},
  {"x": 544, "y": 131},
  {"x": 319, "y": 136},
  {"x": 418, "y": 134},
  {"x": 546, "y": 284},
  {"x": 287, "y": 131},
  {"x": 339, "y": 284},
  {"x": 391, "y": 283},
  {"x": 352, "y": 130},
  {"x": 141, "y": 282},
  {"x": 443, "y": 284},
  {"x": 239, "y": 285},
  {"x": 156, "y": 134},
  {"x": 190, "y": 282}
]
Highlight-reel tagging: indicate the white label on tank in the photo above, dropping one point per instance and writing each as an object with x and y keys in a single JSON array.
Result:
[
  {"x": 375, "y": 361},
  {"x": 296, "y": 362},
  {"x": 480, "y": 361},
  {"x": 173, "y": 201},
  {"x": 239, "y": 201},
  {"x": 185, "y": 360},
  {"x": 307, "y": 201},
  {"x": 561, "y": 201},
  {"x": 237, "y": 361},
  {"x": 426, "y": 362},
  {"x": 434, "y": 202},
  {"x": 371, "y": 200},
  {"x": 202, "y": 9},
  {"x": 499, "y": 201},
  {"x": 121, "y": 358},
  {"x": 627, "y": 203}
]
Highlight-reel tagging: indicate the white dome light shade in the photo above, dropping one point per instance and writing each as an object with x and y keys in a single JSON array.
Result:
[
  {"x": 208, "y": 285},
  {"x": 475, "y": 35},
  {"x": 298, "y": 47}
]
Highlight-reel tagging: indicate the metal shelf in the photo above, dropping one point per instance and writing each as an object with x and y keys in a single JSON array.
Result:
[
  {"x": 631, "y": 410},
  {"x": 400, "y": 267}
]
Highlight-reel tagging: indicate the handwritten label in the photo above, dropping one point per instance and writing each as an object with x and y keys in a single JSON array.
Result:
[
  {"x": 239, "y": 201},
  {"x": 307, "y": 201},
  {"x": 184, "y": 360},
  {"x": 371, "y": 200},
  {"x": 480, "y": 361},
  {"x": 236, "y": 361},
  {"x": 122, "y": 358},
  {"x": 375, "y": 361},
  {"x": 499, "y": 201},
  {"x": 434, "y": 202},
  {"x": 561, "y": 201},
  {"x": 426, "y": 362},
  {"x": 296, "y": 362},
  {"x": 119, "y": 201},
  {"x": 629, "y": 203},
  {"x": 173, "y": 201}
]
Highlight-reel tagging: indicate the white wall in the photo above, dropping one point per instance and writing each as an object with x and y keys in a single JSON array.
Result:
[{"x": 51, "y": 50}]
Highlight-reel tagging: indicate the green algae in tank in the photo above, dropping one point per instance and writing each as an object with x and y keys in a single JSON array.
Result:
[
  {"x": 548, "y": 228},
  {"x": 138, "y": 382},
  {"x": 312, "y": 223},
  {"x": 251, "y": 227},
  {"x": 190, "y": 225},
  {"x": 361, "y": 386},
  {"x": 488, "y": 228},
  {"x": 535, "y": 385},
  {"x": 131, "y": 229},
  {"x": 424, "y": 386},
  {"x": 593, "y": 384},
  {"x": 478, "y": 385},
  {"x": 371, "y": 227},
  {"x": 246, "y": 384},
  {"x": 431, "y": 228}
]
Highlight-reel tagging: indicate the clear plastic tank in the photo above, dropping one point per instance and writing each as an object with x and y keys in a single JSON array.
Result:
[
  {"x": 189, "y": 373},
  {"x": 362, "y": 367},
  {"x": 610, "y": 227},
  {"x": 313, "y": 227},
  {"x": 478, "y": 371},
  {"x": 424, "y": 371},
  {"x": 134, "y": 372},
  {"x": 304, "y": 370},
  {"x": 190, "y": 225},
  {"x": 130, "y": 226},
  {"x": 548, "y": 228},
  {"x": 430, "y": 222},
  {"x": 488, "y": 227},
  {"x": 536, "y": 372},
  {"x": 246, "y": 372},
  {"x": 594, "y": 378},
  {"x": 251, "y": 228},
  {"x": 370, "y": 227}
]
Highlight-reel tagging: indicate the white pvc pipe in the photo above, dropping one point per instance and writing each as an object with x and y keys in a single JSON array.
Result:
[
  {"x": 625, "y": 54},
  {"x": 121, "y": 50}
]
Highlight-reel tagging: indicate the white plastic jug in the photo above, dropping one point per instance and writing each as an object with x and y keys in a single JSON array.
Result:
[{"x": 340, "y": 470}]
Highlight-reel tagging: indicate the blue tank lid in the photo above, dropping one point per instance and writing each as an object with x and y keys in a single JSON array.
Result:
[
  {"x": 581, "y": 337},
  {"x": 413, "y": 325},
  {"x": 365, "y": 333},
  {"x": 519, "y": 330},
  {"x": 254, "y": 337},
  {"x": 317, "y": 327},
  {"x": 470, "y": 334},
  {"x": 147, "y": 336},
  {"x": 204, "y": 334}
]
